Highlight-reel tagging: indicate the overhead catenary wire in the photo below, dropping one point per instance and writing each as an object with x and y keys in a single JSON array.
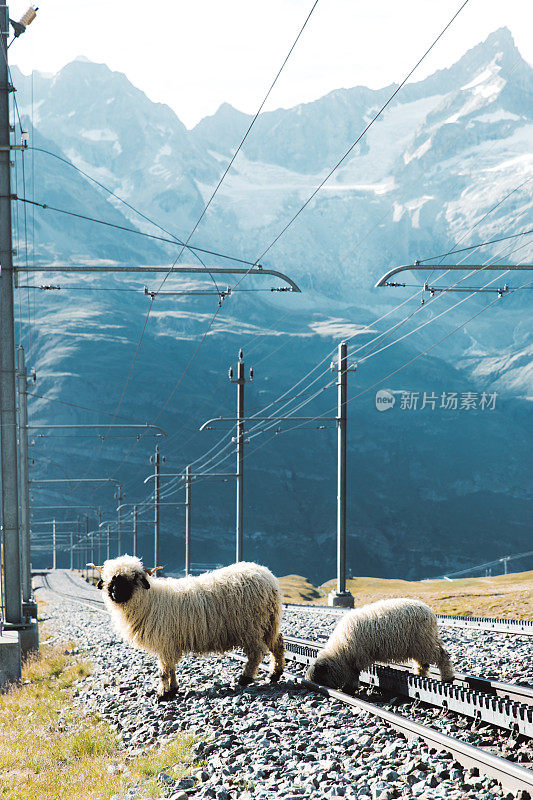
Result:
[
  {"x": 253, "y": 431},
  {"x": 356, "y": 142},
  {"x": 466, "y": 1},
  {"x": 205, "y": 464},
  {"x": 388, "y": 333},
  {"x": 226, "y": 171},
  {"x": 251, "y": 434},
  {"x": 401, "y": 367},
  {"x": 241, "y": 143},
  {"x": 481, "y": 244},
  {"x": 136, "y": 231}
]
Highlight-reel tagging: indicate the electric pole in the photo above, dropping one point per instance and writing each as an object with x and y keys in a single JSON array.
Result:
[
  {"x": 100, "y": 534},
  {"x": 108, "y": 542},
  {"x": 8, "y": 420},
  {"x": 188, "y": 520},
  {"x": 241, "y": 381},
  {"x": 22, "y": 382},
  {"x": 119, "y": 496},
  {"x": 54, "y": 561},
  {"x": 156, "y": 460},
  {"x": 341, "y": 597},
  {"x": 86, "y": 547}
]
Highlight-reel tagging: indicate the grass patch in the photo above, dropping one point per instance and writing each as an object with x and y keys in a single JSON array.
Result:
[
  {"x": 295, "y": 589},
  {"x": 506, "y": 596},
  {"x": 52, "y": 750}
]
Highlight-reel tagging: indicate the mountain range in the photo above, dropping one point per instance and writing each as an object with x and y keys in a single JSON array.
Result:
[{"x": 448, "y": 164}]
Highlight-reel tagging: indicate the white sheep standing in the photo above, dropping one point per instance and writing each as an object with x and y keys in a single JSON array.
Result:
[
  {"x": 236, "y": 606},
  {"x": 390, "y": 631}
]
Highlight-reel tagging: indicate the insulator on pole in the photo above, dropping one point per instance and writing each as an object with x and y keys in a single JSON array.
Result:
[{"x": 25, "y": 20}]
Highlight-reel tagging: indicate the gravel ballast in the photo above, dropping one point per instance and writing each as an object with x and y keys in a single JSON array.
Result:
[{"x": 267, "y": 741}]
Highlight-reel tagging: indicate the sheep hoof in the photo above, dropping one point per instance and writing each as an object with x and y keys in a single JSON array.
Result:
[
  {"x": 245, "y": 680},
  {"x": 274, "y": 678}
]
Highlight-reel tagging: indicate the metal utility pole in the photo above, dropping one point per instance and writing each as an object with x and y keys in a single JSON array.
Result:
[
  {"x": 108, "y": 541},
  {"x": 99, "y": 535},
  {"x": 71, "y": 549},
  {"x": 78, "y": 543},
  {"x": 188, "y": 520},
  {"x": 22, "y": 382},
  {"x": 54, "y": 557},
  {"x": 134, "y": 530},
  {"x": 8, "y": 419},
  {"x": 86, "y": 547},
  {"x": 119, "y": 496},
  {"x": 156, "y": 460},
  {"x": 341, "y": 597},
  {"x": 241, "y": 381}
]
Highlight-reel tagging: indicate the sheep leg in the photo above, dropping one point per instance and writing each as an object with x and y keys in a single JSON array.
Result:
[
  {"x": 278, "y": 659},
  {"x": 168, "y": 683},
  {"x": 254, "y": 656},
  {"x": 422, "y": 668},
  {"x": 444, "y": 665}
]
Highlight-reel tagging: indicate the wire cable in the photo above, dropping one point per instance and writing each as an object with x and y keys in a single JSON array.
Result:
[
  {"x": 241, "y": 143},
  {"x": 356, "y": 142}
]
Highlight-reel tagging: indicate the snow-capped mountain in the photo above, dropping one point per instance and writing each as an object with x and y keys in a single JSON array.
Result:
[{"x": 449, "y": 163}]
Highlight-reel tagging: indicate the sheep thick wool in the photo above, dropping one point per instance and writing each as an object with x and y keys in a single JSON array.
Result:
[
  {"x": 390, "y": 631},
  {"x": 236, "y": 606}
]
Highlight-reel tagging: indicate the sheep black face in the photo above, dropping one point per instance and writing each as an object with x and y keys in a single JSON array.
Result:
[
  {"x": 319, "y": 673},
  {"x": 121, "y": 587}
]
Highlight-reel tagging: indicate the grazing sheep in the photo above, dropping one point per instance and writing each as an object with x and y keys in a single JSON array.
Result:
[
  {"x": 390, "y": 631},
  {"x": 236, "y": 606}
]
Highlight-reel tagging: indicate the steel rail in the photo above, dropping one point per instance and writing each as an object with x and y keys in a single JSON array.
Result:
[
  {"x": 477, "y": 698},
  {"x": 511, "y": 776},
  {"x": 93, "y": 603},
  {"x": 518, "y": 627}
]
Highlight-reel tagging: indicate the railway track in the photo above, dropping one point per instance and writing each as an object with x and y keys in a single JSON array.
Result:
[
  {"x": 516, "y": 627},
  {"x": 508, "y": 706},
  {"x": 70, "y": 587}
]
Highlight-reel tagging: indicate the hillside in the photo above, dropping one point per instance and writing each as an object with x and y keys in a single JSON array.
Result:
[{"x": 503, "y": 596}]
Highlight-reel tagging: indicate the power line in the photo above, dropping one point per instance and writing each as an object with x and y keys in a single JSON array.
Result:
[
  {"x": 241, "y": 143},
  {"x": 83, "y": 408},
  {"x": 352, "y": 146},
  {"x": 108, "y": 224},
  {"x": 212, "y": 197},
  {"x": 481, "y": 244},
  {"x": 253, "y": 432},
  {"x": 189, "y": 363}
]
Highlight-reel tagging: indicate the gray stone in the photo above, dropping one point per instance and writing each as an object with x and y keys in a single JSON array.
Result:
[{"x": 10, "y": 658}]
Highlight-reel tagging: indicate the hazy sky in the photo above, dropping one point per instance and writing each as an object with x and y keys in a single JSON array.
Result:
[{"x": 196, "y": 55}]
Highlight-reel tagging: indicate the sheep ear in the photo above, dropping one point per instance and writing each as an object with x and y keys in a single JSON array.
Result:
[
  {"x": 151, "y": 570},
  {"x": 98, "y": 569}
]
